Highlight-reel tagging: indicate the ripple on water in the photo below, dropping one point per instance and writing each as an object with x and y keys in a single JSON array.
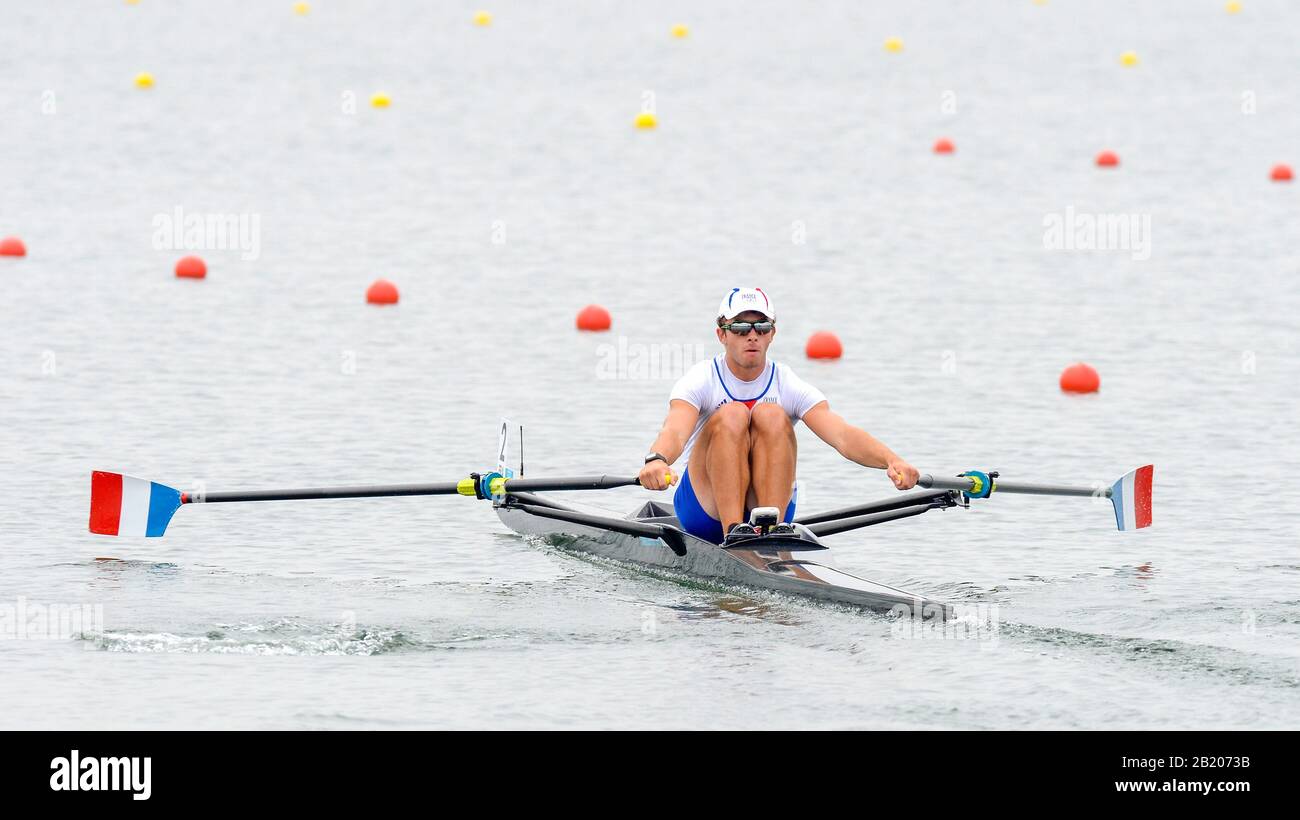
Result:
[
  {"x": 285, "y": 636},
  {"x": 1170, "y": 656}
]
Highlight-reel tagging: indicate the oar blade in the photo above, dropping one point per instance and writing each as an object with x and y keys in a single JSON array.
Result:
[
  {"x": 123, "y": 505},
  {"x": 1131, "y": 497}
]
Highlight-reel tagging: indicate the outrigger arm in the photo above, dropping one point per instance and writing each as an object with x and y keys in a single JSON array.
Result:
[{"x": 880, "y": 512}]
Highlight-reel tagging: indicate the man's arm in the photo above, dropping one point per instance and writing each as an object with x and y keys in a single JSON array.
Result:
[
  {"x": 858, "y": 445},
  {"x": 670, "y": 442}
]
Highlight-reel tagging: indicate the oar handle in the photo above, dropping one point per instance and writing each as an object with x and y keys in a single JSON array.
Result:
[{"x": 500, "y": 486}]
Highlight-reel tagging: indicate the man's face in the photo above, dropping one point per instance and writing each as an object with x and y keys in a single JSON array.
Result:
[{"x": 749, "y": 350}]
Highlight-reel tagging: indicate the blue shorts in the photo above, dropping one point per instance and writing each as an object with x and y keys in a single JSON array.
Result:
[{"x": 698, "y": 522}]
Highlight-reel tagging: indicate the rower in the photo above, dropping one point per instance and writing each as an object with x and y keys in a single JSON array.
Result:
[{"x": 731, "y": 424}]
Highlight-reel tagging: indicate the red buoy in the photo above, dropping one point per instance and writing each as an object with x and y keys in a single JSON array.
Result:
[
  {"x": 382, "y": 292},
  {"x": 191, "y": 267},
  {"x": 594, "y": 317},
  {"x": 944, "y": 146},
  {"x": 1281, "y": 173},
  {"x": 12, "y": 246},
  {"x": 824, "y": 345},
  {"x": 1080, "y": 378},
  {"x": 1107, "y": 159}
]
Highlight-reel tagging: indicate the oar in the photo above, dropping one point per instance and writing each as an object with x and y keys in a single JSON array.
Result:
[
  {"x": 1130, "y": 495},
  {"x": 123, "y": 505}
]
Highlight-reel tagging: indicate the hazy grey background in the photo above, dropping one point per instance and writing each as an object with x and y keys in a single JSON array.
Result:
[{"x": 956, "y": 323}]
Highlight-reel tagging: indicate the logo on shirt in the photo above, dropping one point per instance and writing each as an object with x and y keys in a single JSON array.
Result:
[{"x": 750, "y": 402}]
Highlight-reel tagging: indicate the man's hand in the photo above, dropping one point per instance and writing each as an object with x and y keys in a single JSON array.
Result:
[
  {"x": 903, "y": 475},
  {"x": 656, "y": 475}
]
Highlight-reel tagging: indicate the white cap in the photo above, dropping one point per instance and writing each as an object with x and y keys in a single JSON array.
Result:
[{"x": 739, "y": 300}]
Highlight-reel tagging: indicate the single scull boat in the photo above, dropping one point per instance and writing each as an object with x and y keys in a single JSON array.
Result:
[{"x": 794, "y": 562}]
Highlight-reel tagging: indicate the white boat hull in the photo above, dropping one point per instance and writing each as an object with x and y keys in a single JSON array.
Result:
[{"x": 797, "y": 566}]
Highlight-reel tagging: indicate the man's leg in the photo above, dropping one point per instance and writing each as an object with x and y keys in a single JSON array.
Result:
[
  {"x": 719, "y": 464},
  {"x": 772, "y": 456}
]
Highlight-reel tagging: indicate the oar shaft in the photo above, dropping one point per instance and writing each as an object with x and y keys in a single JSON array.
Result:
[
  {"x": 375, "y": 491},
  {"x": 967, "y": 484},
  {"x": 463, "y": 487}
]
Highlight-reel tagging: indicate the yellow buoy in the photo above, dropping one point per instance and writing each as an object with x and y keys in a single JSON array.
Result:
[
  {"x": 1232, "y": 7},
  {"x": 144, "y": 80},
  {"x": 680, "y": 31},
  {"x": 133, "y": 2},
  {"x": 645, "y": 120},
  {"x": 301, "y": 8},
  {"x": 380, "y": 100},
  {"x": 482, "y": 18},
  {"x": 1129, "y": 58},
  {"x": 894, "y": 45}
]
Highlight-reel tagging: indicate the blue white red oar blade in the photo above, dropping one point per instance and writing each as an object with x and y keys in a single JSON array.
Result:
[
  {"x": 122, "y": 505},
  {"x": 1131, "y": 496}
]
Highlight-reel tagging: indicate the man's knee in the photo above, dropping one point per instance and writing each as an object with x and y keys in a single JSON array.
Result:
[
  {"x": 770, "y": 420},
  {"x": 732, "y": 417}
]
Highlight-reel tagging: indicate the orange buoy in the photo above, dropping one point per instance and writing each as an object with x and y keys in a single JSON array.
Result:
[
  {"x": 594, "y": 317},
  {"x": 824, "y": 345},
  {"x": 382, "y": 292},
  {"x": 191, "y": 267},
  {"x": 1281, "y": 173},
  {"x": 1107, "y": 159},
  {"x": 944, "y": 146},
  {"x": 12, "y": 246},
  {"x": 1080, "y": 378}
]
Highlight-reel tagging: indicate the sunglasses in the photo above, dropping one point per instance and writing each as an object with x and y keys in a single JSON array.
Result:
[{"x": 743, "y": 328}]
